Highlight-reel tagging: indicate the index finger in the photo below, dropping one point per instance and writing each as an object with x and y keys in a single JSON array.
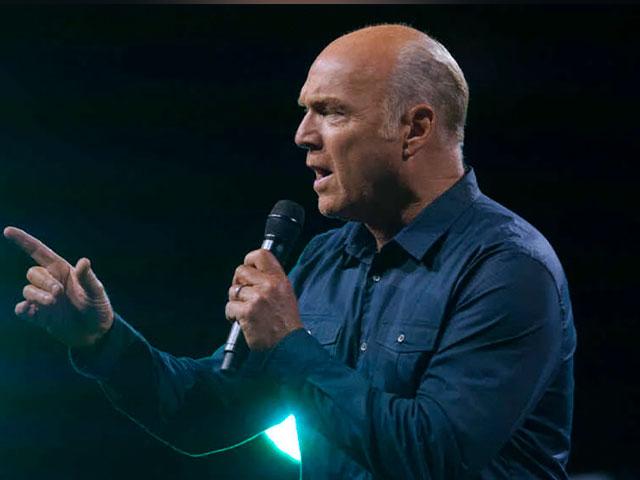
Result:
[
  {"x": 37, "y": 250},
  {"x": 263, "y": 260}
]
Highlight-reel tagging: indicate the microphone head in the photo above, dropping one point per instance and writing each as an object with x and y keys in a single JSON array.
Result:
[{"x": 285, "y": 222}]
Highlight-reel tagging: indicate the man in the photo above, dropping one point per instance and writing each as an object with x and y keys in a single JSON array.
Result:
[{"x": 429, "y": 337}]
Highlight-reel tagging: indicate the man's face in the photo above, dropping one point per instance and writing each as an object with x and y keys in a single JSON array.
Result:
[{"x": 342, "y": 129}]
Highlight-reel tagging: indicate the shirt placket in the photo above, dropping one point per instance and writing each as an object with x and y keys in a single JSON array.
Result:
[{"x": 372, "y": 283}]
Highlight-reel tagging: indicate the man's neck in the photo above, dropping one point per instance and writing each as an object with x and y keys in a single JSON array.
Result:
[{"x": 385, "y": 227}]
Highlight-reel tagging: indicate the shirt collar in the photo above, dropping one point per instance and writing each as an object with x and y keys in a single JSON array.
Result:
[{"x": 430, "y": 224}]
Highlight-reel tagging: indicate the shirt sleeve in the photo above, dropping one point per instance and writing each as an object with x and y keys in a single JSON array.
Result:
[
  {"x": 186, "y": 403},
  {"x": 499, "y": 349}
]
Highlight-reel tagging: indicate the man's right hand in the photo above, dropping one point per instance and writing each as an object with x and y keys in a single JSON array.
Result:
[{"x": 69, "y": 302}]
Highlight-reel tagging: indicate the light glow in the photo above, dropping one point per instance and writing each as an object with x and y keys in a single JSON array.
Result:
[{"x": 285, "y": 437}]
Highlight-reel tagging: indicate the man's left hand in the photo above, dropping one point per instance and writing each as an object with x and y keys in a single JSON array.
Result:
[{"x": 262, "y": 300}]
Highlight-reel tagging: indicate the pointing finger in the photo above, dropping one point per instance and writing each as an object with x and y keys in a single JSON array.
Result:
[{"x": 37, "y": 250}]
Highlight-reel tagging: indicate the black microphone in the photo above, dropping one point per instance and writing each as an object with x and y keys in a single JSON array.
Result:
[{"x": 281, "y": 231}]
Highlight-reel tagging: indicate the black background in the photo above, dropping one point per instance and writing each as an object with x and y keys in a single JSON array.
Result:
[{"x": 155, "y": 139}]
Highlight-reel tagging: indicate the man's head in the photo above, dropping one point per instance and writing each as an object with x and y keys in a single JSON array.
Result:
[
  {"x": 382, "y": 104},
  {"x": 425, "y": 72}
]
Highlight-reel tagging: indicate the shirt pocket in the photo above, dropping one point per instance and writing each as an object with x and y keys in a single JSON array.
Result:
[
  {"x": 324, "y": 328},
  {"x": 404, "y": 352}
]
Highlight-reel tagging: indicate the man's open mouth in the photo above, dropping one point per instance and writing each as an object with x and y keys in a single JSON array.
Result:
[
  {"x": 322, "y": 176},
  {"x": 321, "y": 172}
]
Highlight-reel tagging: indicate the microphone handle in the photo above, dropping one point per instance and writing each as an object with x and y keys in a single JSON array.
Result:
[
  {"x": 280, "y": 251},
  {"x": 230, "y": 348}
]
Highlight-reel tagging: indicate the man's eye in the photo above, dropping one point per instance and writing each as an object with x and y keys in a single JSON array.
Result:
[
  {"x": 323, "y": 110},
  {"x": 331, "y": 111}
]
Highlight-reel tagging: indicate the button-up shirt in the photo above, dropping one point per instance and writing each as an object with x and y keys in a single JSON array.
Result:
[{"x": 445, "y": 354}]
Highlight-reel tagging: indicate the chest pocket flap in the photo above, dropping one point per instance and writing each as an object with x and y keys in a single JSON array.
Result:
[
  {"x": 324, "y": 328},
  {"x": 406, "y": 338}
]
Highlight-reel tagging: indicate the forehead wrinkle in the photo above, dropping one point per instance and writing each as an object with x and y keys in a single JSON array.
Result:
[{"x": 339, "y": 81}]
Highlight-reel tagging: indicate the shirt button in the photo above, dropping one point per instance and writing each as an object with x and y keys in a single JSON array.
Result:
[
  {"x": 363, "y": 346},
  {"x": 376, "y": 278},
  {"x": 401, "y": 338}
]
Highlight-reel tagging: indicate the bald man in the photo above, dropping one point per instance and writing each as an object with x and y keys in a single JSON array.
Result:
[{"x": 430, "y": 337}]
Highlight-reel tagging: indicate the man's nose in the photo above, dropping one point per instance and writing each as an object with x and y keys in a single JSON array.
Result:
[{"x": 307, "y": 135}]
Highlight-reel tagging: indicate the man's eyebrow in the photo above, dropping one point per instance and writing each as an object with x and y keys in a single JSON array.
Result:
[{"x": 322, "y": 101}]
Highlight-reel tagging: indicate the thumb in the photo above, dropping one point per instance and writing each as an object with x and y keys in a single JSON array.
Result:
[{"x": 88, "y": 279}]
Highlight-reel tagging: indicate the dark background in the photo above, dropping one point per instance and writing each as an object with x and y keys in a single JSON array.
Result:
[{"x": 155, "y": 139}]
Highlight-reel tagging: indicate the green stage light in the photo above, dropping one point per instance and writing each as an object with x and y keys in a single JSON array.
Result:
[{"x": 285, "y": 437}]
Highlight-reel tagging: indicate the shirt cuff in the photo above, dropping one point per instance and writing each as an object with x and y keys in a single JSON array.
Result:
[
  {"x": 98, "y": 362},
  {"x": 294, "y": 357}
]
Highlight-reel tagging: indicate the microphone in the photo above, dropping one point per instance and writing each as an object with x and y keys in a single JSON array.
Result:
[{"x": 281, "y": 231}]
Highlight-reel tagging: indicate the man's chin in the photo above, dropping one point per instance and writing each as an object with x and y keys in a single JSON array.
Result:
[{"x": 331, "y": 210}]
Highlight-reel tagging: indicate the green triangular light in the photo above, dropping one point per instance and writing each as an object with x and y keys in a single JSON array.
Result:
[{"x": 285, "y": 437}]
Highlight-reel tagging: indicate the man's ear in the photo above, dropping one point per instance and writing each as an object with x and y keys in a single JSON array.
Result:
[{"x": 420, "y": 119}]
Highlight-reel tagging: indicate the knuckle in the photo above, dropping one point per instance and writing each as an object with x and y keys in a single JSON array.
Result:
[
  {"x": 283, "y": 288},
  {"x": 255, "y": 299},
  {"x": 271, "y": 285},
  {"x": 56, "y": 291},
  {"x": 267, "y": 296},
  {"x": 252, "y": 307}
]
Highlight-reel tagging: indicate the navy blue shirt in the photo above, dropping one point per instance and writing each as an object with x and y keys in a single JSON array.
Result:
[{"x": 446, "y": 354}]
